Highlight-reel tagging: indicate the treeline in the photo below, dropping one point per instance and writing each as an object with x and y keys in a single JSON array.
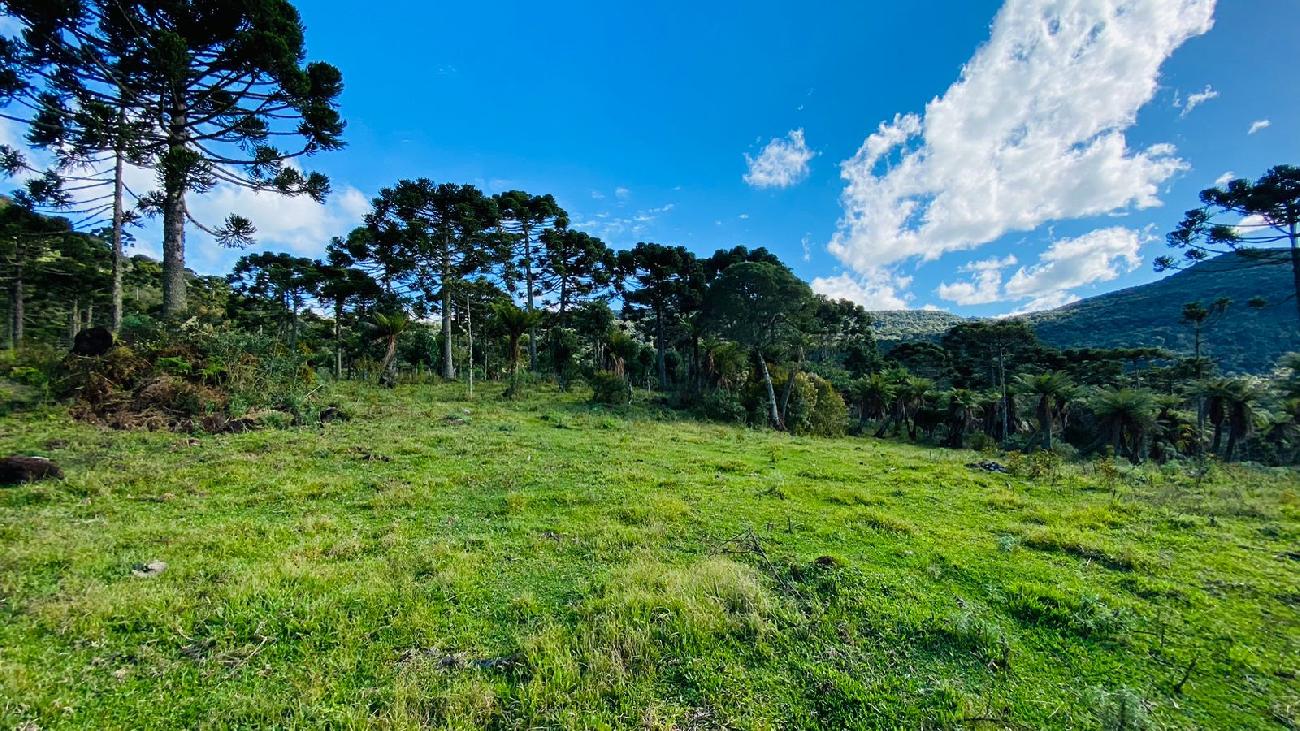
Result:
[{"x": 445, "y": 281}]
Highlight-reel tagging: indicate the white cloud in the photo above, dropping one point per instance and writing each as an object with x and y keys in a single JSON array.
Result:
[
  {"x": 1195, "y": 100},
  {"x": 1097, "y": 256},
  {"x": 622, "y": 193},
  {"x": 622, "y": 229},
  {"x": 875, "y": 291},
  {"x": 1034, "y": 131},
  {"x": 1258, "y": 125},
  {"x": 781, "y": 164},
  {"x": 806, "y": 243},
  {"x": 983, "y": 287},
  {"x": 1224, "y": 179}
]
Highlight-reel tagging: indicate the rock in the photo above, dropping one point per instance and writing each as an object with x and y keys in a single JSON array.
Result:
[
  {"x": 332, "y": 413},
  {"x": 16, "y": 470},
  {"x": 92, "y": 342},
  {"x": 988, "y": 466},
  {"x": 148, "y": 570}
]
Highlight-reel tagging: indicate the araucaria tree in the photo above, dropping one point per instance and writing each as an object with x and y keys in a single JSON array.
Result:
[
  {"x": 667, "y": 279},
  {"x": 525, "y": 218},
  {"x": 442, "y": 233},
  {"x": 219, "y": 92},
  {"x": 574, "y": 266},
  {"x": 1242, "y": 217},
  {"x": 759, "y": 305}
]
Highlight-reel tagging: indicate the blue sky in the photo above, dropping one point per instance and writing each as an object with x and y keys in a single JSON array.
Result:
[{"x": 845, "y": 137}]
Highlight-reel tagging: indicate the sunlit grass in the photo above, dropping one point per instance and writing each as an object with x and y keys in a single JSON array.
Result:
[{"x": 443, "y": 562}]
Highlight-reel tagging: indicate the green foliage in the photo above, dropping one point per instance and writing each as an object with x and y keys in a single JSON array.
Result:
[
  {"x": 608, "y": 388},
  {"x": 724, "y": 406},
  {"x": 829, "y": 417}
]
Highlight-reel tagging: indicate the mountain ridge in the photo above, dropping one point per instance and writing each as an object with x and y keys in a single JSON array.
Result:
[{"x": 1246, "y": 340}]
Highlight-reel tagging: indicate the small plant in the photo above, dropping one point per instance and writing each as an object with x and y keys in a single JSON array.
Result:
[
  {"x": 1008, "y": 543},
  {"x": 1119, "y": 710},
  {"x": 175, "y": 366}
]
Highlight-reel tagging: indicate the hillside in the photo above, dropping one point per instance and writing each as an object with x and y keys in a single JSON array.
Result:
[
  {"x": 895, "y": 326},
  {"x": 442, "y": 563},
  {"x": 1246, "y": 341}
]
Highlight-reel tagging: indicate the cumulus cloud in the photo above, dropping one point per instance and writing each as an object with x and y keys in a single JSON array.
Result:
[
  {"x": 1032, "y": 132},
  {"x": 984, "y": 286},
  {"x": 878, "y": 290},
  {"x": 1224, "y": 179},
  {"x": 1195, "y": 100},
  {"x": 1067, "y": 264},
  {"x": 298, "y": 224},
  {"x": 1258, "y": 125},
  {"x": 781, "y": 164}
]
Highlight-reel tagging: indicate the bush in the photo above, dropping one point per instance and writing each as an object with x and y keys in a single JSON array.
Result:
[
  {"x": 607, "y": 388},
  {"x": 803, "y": 400},
  {"x": 815, "y": 408},
  {"x": 830, "y": 416},
  {"x": 196, "y": 378},
  {"x": 725, "y": 406}
]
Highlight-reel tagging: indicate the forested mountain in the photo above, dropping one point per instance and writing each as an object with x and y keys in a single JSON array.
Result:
[
  {"x": 1247, "y": 339},
  {"x": 895, "y": 326}
]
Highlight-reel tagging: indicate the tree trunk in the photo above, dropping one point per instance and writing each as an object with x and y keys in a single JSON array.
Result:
[
  {"x": 1218, "y": 437},
  {"x": 448, "y": 367},
  {"x": 773, "y": 414},
  {"x": 528, "y": 282},
  {"x": 1006, "y": 398},
  {"x": 1045, "y": 421},
  {"x": 1295, "y": 263},
  {"x": 789, "y": 385},
  {"x": 660, "y": 363},
  {"x": 388, "y": 376},
  {"x": 514, "y": 367},
  {"x": 338, "y": 339},
  {"x": 19, "y": 297},
  {"x": 174, "y": 211},
  {"x": 1200, "y": 399},
  {"x": 118, "y": 186},
  {"x": 74, "y": 320},
  {"x": 469, "y": 327}
]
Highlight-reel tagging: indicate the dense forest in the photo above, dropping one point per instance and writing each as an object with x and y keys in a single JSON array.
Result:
[
  {"x": 733, "y": 335},
  {"x": 445, "y": 282}
]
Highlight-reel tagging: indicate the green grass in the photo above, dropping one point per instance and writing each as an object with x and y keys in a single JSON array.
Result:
[{"x": 437, "y": 562}]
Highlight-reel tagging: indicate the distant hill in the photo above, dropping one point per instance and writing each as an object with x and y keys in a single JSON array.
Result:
[
  {"x": 896, "y": 326},
  {"x": 1248, "y": 340}
]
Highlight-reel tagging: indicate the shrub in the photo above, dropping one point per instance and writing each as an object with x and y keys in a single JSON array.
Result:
[
  {"x": 607, "y": 388},
  {"x": 830, "y": 416},
  {"x": 724, "y": 406},
  {"x": 194, "y": 378},
  {"x": 803, "y": 400}
]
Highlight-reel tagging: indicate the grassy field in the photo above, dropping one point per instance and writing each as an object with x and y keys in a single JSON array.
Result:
[{"x": 439, "y": 562}]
